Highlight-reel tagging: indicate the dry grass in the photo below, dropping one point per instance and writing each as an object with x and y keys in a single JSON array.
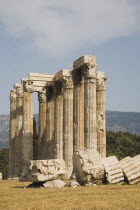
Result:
[{"x": 14, "y": 196}]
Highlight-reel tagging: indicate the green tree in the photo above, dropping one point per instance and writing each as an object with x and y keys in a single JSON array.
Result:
[{"x": 4, "y": 161}]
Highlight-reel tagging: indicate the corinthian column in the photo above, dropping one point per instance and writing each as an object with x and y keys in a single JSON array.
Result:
[
  {"x": 78, "y": 108},
  {"x": 68, "y": 122},
  {"x": 12, "y": 133},
  {"x": 27, "y": 139},
  {"x": 58, "y": 120},
  {"x": 42, "y": 140},
  {"x": 101, "y": 118},
  {"x": 50, "y": 122},
  {"x": 19, "y": 131},
  {"x": 90, "y": 122}
]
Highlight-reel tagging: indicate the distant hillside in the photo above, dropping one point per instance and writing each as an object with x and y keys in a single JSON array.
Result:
[{"x": 116, "y": 121}]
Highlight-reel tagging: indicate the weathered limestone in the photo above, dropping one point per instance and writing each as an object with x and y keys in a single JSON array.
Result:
[
  {"x": 101, "y": 119},
  {"x": 71, "y": 115},
  {"x": 90, "y": 123},
  {"x": 54, "y": 184},
  {"x": 0, "y": 176},
  {"x": 78, "y": 107},
  {"x": 68, "y": 122},
  {"x": 27, "y": 138},
  {"x": 50, "y": 122},
  {"x": 131, "y": 169},
  {"x": 58, "y": 119},
  {"x": 12, "y": 133},
  {"x": 19, "y": 130},
  {"x": 44, "y": 170},
  {"x": 88, "y": 167},
  {"x": 113, "y": 171},
  {"x": 42, "y": 134}
]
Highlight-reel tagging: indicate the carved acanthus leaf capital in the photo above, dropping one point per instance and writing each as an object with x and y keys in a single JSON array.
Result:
[
  {"x": 42, "y": 96},
  {"x": 90, "y": 69},
  {"x": 28, "y": 86},
  {"x": 101, "y": 84},
  {"x": 13, "y": 95},
  {"x": 67, "y": 82},
  {"x": 19, "y": 91},
  {"x": 78, "y": 75},
  {"x": 58, "y": 86}
]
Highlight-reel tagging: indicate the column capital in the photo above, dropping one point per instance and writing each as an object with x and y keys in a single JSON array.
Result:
[
  {"x": 90, "y": 70},
  {"x": 101, "y": 83},
  {"x": 58, "y": 86},
  {"x": 42, "y": 96},
  {"x": 78, "y": 75},
  {"x": 67, "y": 82},
  {"x": 13, "y": 95},
  {"x": 19, "y": 91},
  {"x": 28, "y": 86}
]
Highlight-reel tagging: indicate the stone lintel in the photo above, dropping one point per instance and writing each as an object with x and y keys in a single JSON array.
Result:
[
  {"x": 41, "y": 77},
  {"x": 86, "y": 59},
  {"x": 62, "y": 73}
]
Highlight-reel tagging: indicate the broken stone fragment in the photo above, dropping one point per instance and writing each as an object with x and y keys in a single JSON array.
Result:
[
  {"x": 74, "y": 184},
  {"x": 113, "y": 171},
  {"x": 88, "y": 167},
  {"x": 131, "y": 169},
  {"x": 44, "y": 170},
  {"x": 54, "y": 184}
]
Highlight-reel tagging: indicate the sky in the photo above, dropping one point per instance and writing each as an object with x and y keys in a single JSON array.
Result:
[{"x": 46, "y": 36}]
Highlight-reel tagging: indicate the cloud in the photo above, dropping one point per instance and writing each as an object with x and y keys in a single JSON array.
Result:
[{"x": 60, "y": 27}]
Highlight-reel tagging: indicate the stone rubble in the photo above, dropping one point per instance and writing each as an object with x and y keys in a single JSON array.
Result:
[
  {"x": 0, "y": 176},
  {"x": 113, "y": 171},
  {"x": 88, "y": 167},
  {"x": 131, "y": 169},
  {"x": 54, "y": 184},
  {"x": 44, "y": 170}
]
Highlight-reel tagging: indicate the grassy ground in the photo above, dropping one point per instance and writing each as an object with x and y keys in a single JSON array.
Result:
[{"x": 14, "y": 196}]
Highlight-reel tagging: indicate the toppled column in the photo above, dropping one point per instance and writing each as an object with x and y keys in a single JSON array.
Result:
[
  {"x": 88, "y": 167},
  {"x": 101, "y": 117},
  {"x": 50, "y": 121},
  {"x": 78, "y": 106},
  {"x": 58, "y": 119},
  {"x": 131, "y": 170},
  {"x": 12, "y": 133},
  {"x": 113, "y": 171},
  {"x": 19, "y": 130},
  {"x": 44, "y": 170},
  {"x": 68, "y": 122},
  {"x": 27, "y": 139},
  {"x": 42, "y": 134}
]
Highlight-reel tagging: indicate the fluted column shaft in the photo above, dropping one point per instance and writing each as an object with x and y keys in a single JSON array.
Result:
[
  {"x": 50, "y": 122},
  {"x": 101, "y": 117},
  {"x": 27, "y": 139},
  {"x": 19, "y": 131},
  {"x": 12, "y": 133},
  {"x": 68, "y": 123},
  {"x": 42, "y": 138},
  {"x": 58, "y": 121},
  {"x": 90, "y": 122},
  {"x": 78, "y": 109}
]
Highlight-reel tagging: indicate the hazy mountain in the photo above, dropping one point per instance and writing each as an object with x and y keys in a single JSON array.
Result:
[{"x": 116, "y": 121}]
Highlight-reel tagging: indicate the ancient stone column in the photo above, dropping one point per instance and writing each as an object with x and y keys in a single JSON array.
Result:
[
  {"x": 101, "y": 117},
  {"x": 78, "y": 108},
  {"x": 50, "y": 122},
  {"x": 12, "y": 133},
  {"x": 19, "y": 131},
  {"x": 58, "y": 120},
  {"x": 27, "y": 139},
  {"x": 42, "y": 138},
  {"x": 68, "y": 122},
  {"x": 90, "y": 122}
]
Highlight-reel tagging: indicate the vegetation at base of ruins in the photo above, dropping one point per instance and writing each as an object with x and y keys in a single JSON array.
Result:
[
  {"x": 4, "y": 161},
  {"x": 122, "y": 144},
  {"x": 35, "y": 140},
  {"x": 14, "y": 195}
]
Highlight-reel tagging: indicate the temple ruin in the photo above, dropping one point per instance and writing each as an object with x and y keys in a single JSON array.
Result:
[{"x": 71, "y": 115}]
